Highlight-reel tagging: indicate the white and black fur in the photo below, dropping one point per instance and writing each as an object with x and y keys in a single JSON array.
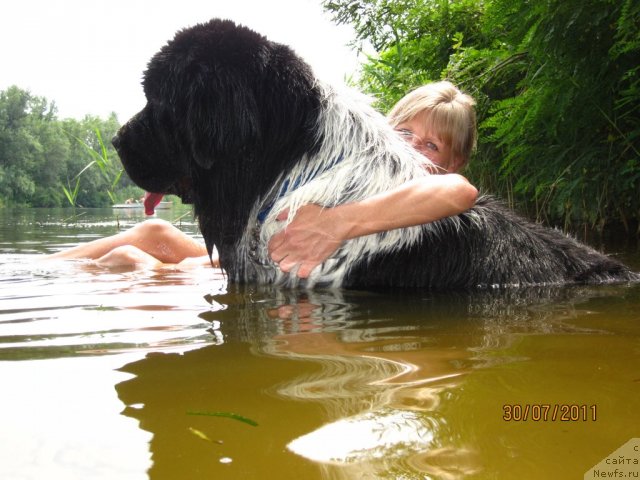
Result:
[{"x": 240, "y": 127}]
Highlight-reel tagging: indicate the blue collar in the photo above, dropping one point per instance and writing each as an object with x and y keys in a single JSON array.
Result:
[{"x": 297, "y": 182}]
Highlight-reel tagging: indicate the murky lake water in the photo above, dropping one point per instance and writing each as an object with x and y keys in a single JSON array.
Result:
[{"x": 172, "y": 374}]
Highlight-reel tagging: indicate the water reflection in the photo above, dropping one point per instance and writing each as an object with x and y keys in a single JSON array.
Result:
[
  {"x": 74, "y": 308},
  {"x": 420, "y": 377},
  {"x": 354, "y": 384}
]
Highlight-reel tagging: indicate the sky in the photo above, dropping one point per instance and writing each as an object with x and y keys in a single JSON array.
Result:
[{"x": 88, "y": 56}]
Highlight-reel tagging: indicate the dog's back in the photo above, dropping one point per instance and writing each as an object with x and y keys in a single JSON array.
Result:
[{"x": 485, "y": 248}]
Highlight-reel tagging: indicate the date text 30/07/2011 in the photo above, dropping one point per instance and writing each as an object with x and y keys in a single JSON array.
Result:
[{"x": 546, "y": 412}]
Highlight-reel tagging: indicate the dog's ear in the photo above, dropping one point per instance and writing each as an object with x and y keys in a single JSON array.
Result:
[{"x": 221, "y": 118}]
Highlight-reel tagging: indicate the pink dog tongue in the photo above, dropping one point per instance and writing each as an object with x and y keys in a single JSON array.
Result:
[{"x": 150, "y": 202}]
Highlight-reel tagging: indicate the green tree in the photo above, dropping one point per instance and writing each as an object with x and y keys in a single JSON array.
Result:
[
  {"x": 50, "y": 156},
  {"x": 41, "y": 155},
  {"x": 414, "y": 39},
  {"x": 563, "y": 115},
  {"x": 18, "y": 146}
]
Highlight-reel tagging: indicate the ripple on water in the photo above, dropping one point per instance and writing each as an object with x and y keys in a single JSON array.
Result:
[{"x": 66, "y": 308}]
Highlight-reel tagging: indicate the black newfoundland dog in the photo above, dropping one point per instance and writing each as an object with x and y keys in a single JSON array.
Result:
[{"x": 240, "y": 127}]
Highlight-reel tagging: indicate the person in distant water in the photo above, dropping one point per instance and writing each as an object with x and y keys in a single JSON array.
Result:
[{"x": 437, "y": 119}]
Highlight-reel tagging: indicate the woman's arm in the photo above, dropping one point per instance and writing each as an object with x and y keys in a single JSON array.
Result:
[{"x": 315, "y": 233}]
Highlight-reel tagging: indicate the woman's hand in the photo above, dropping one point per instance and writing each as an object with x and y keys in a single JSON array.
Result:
[{"x": 312, "y": 237}]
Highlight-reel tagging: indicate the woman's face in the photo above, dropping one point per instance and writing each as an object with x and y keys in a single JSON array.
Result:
[{"x": 424, "y": 140}]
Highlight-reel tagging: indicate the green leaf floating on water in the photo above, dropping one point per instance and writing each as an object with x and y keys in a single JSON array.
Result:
[{"x": 234, "y": 416}]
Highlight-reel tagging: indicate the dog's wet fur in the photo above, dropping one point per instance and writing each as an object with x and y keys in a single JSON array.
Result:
[{"x": 240, "y": 127}]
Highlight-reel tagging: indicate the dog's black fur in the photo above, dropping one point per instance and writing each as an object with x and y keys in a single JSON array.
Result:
[
  {"x": 224, "y": 107},
  {"x": 228, "y": 112},
  {"x": 504, "y": 250}
]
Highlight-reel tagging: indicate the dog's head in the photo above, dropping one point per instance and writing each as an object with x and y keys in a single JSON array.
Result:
[{"x": 227, "y": 110}]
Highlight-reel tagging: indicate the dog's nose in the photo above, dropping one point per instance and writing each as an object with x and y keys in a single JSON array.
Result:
[{"x": 115, "y": 141}]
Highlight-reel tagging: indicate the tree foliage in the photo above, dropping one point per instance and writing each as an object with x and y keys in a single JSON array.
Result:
[
  {"x": 557, "y": 85},
  {"x": 413, "y": 39},
  {"x": 41, "y": 155}
]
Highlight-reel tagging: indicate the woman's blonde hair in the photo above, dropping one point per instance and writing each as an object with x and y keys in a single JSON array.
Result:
[{"x": 448, "y": 112}]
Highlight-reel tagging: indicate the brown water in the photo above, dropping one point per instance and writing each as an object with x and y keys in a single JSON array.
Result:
[{"x": 172, "y": 374}]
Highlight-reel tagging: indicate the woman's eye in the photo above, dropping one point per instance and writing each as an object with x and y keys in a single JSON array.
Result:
[
  {"x": 431, "y": 146},
  {"x": 405, "y": 133}
]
